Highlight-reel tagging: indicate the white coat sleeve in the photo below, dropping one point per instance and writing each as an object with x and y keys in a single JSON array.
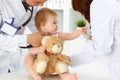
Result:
[
  {"x": 9, "y": 43},
  {"x": 0, "y": 15},
  {"x": 102, "y": 35}
]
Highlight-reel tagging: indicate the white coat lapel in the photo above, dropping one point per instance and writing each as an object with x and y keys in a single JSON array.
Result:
[{"x": 14, "y": 8}]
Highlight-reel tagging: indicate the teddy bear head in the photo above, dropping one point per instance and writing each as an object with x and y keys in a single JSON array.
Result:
[{"x": 53, "y": 44}]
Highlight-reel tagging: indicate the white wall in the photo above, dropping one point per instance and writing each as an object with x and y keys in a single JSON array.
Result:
[
  {"x": 74, "y": 16},
  {"x": 60, "y": 19}
]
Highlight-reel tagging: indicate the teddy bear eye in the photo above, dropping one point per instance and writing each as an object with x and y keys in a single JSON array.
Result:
[{"x": 53, "y": 43}]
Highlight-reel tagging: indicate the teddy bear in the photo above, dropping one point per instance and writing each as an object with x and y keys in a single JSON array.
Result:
[{"x": 52, "y": 61}]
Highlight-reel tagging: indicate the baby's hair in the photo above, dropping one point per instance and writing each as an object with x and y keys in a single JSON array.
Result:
[{"x": 42, "y": 15}]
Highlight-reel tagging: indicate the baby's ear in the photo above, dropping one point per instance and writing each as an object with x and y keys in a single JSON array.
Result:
[
  {"x": 42, "y": 26},
  {"x": 44, "y": 40}
]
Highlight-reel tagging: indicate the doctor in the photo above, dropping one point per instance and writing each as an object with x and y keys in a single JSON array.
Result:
[
  {"x": 14, "y": 16},
  {"x": 105, "y": 30}
]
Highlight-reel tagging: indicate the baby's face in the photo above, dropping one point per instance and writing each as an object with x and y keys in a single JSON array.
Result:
[{"x": 51, "y": 26}]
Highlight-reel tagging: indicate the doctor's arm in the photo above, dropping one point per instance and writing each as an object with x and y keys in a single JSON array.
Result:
[
  {"x": 12, "y": 43},
  {"x": 84, "y": 57},
  {"x": 9, "y": 43}
]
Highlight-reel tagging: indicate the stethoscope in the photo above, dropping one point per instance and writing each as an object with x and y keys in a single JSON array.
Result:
[{"x": 27, "y": 8}]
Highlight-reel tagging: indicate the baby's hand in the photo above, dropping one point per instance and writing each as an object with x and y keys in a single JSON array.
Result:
[{"x": 83, "y": 30}]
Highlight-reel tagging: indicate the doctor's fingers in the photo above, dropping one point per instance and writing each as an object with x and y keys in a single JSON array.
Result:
[{"x": 34, "y": 39}]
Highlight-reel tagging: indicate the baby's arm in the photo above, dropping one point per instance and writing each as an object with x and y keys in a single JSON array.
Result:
[
  {"x": 36, "y": 50},
  {"x": 72, "y": 35}
]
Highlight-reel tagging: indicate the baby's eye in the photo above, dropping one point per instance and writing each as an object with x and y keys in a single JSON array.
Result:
[{"x": 55, "y": 22}]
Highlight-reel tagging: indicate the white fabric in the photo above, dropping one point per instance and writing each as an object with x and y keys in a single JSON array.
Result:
[
  {"x": 114, "y": 62},
  {"x": 105, "y": 31},
  {"x": 118, "y": 1},
  {"x": 10, "y": 57}
]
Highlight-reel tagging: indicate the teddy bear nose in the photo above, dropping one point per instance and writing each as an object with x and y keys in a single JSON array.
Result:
[{"x": 59, "y": 46}]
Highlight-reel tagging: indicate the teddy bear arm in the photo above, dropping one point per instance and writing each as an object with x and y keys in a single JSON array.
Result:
[
  {"x": 43, "y": 56},
  {"x": 64, "y": 59}
]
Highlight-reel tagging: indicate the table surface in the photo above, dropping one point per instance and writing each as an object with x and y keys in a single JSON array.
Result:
[{"x": 22, "y": 75}]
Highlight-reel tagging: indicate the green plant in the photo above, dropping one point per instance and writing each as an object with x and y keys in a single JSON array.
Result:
[{"x": 81, "y": 23}]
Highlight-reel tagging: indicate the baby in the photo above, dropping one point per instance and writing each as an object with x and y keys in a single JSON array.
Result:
[{"x": 47, "y": 24}]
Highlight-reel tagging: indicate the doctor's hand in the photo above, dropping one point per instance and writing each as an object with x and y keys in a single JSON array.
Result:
[
  {"x": 36, "y": 50},
  {"x": 34, "y": 39}
]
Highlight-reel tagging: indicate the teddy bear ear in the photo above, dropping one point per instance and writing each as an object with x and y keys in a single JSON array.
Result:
[{"x": 45, "y": 39}]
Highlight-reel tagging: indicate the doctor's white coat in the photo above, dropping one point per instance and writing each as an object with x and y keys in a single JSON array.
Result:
[
  {"x": 105, "y": 31},
  {"x": 10, "y": 57}
]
